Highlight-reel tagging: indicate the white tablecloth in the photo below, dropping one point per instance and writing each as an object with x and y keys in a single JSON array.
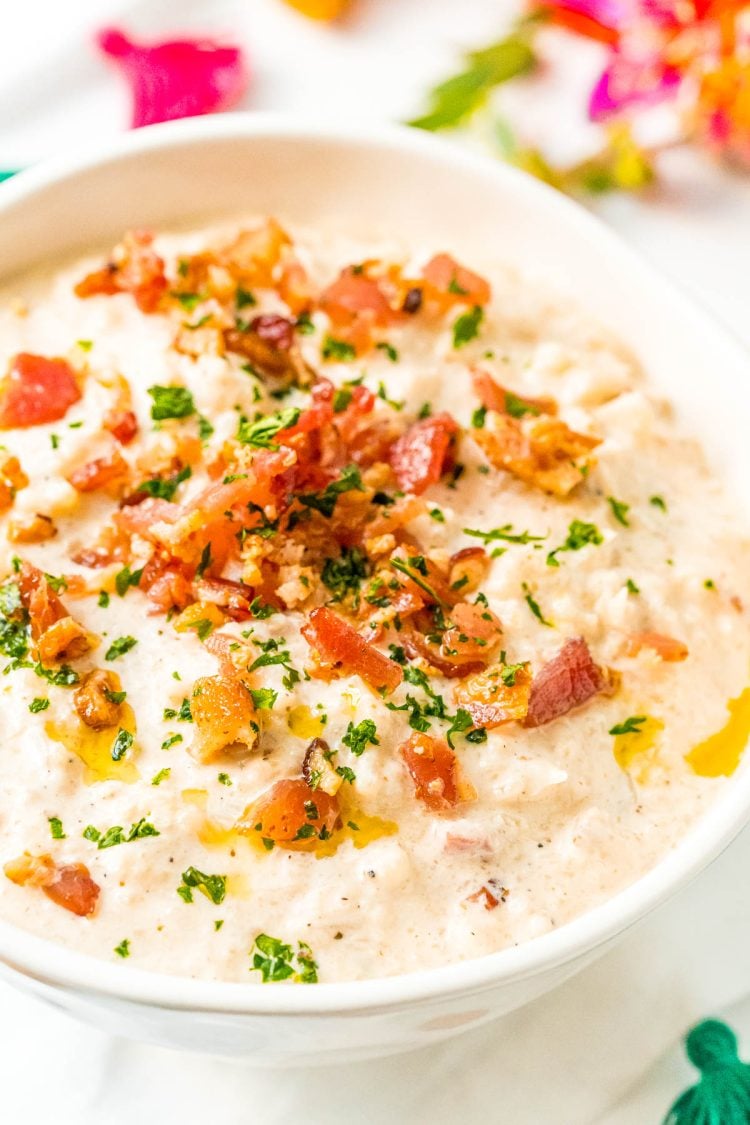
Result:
[{"x": 593, "y": 1051}]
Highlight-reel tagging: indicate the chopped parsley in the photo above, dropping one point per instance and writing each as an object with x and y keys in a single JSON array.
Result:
[
  {"x": 123, "y": 949},
  {"x": 163, "y": 774},
  {"x": 244, "y": 299},
  {"x": 164, "y": 488},
  {"x": 342, "y": 396},
  {"x": 171, "y": 402},
  {"x": 534, "y": 606},
  {"x": 119, "y": 647},
  {"x": 359, "y": 737},
  {"x": 631, "y": 587},
  {"x": 171, "y": 740},
  {"x": 103, "y": 600},
  {"x": 479, "y": 417},
  {"x": 414, "y": 567},
  {"x": 184, "y": 715},
  {"x": 466, "y": 328},
  {"x": 580, "y": 535},
  {"x": 437, "y": 515},
  {"x": 122, "y": 744},
  {"x": 504, "y": 534},
  {"x": 344, "y": 575},
  {"x": 56, "y": 584},
  {"x": 658, "y": 502},
  {"x": 126, "y": 578},
  {"x": 38, "y": 704},
  {"x": 275, "y": 960},
  {"x": 261, "y": 432},
  {"x": 395, "y": 404},
  {"x": 518, "y": 407},
  {"x": 325, "y": 501},
  {"x": 56, "y": 828},
  {"x": 630, "y": 726},
  {"x": 224, "y": 779},
  {"x": 389, "y": 350},
  {"x": 619, "y": 510},
  {"x": 261, "y": 610},
  {"x": 304, "y": 324},
  {"x": 273, "y": 655},
  {"x": 212, "y": 886},
  {"x": 338, "y": 350},
  {"x": 264, "y": 698},
  {"x": 117, "y": 834}
]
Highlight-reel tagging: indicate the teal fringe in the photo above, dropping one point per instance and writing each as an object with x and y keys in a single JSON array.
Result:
[{"x": 722, "y": 1095}]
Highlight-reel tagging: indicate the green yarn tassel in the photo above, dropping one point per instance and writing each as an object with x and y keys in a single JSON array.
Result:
[{"x": 722, "y": 1096}]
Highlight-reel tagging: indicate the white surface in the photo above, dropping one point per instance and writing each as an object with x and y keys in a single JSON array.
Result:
[{"x": 569, "y": 1057}]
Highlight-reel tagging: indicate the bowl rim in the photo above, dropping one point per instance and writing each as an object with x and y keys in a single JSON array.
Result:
[{"x": 50, "y": 963}]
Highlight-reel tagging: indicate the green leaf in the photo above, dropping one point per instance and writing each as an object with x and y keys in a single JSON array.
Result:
[
  {"x": 171, "y": 402},
  {"x": 619, "y": 510},
  {"x": 119, "y": 647},
  {"x": 338, "y": 350},
  {"x": 631, "y": 725},
  {"x": 121, "y": 744},
  {"x": 466, "y": 327},
  {"x": 212, "y": 886},
  {"x": 358, "y": 737},
  {"x": 260, "y": 433},
  {"x": 56, "y": 828}
]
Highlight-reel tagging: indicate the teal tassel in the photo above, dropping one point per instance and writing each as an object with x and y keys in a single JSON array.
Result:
[{"x": 722, "y": 1096}]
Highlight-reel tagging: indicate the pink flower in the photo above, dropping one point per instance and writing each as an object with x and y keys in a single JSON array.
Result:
[
  {"x": 177, "y": 78},
  {"x": 629, "y": 81}
]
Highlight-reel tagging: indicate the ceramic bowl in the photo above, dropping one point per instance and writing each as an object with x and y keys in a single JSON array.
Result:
[{"x": 434, "y": 194}]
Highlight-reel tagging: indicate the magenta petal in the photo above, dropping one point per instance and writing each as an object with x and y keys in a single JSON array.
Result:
[
  {"x": 178, "y": 78},
  {"x": 627, "y": 82},
  {"x": 608, "y": 13}
]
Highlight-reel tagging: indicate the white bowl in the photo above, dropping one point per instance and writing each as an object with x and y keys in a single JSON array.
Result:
[{"x": 434, "y": 194}]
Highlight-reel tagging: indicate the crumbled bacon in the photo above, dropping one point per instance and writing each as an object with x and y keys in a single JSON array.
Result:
[
  {"x": 269, "y": 343},
  {"x": 435, "y": 771},
  {"x": 668, "y": 648},
  {"x": 55, "y": 632},
  {"x": 486, "y": 897},
  {"x": 223, "y": 716},
  {"x": 543, "y": 452},
  {"x": 447, "y": 283},
  {"x": 420, "y": 456},
  {"x": 470, "y": 639},
  {"x": 94, "y": 702},
  {"x": 234, "y": 597},
  {"x": 317, "y": 769},
  {"x": 495, "y": 397},
  {"x": 36, "y": 390},
  {"x": 292, "y": 814},
  {"x": 103, "y": 472},
  {"x": 566, "y": 681},
  {"x": 135, "y": 268},
  {"x": 352, "y": 295},
  {"x": 12, "y": 478},
  {"x": 34, "y": 529},
  {"x": 68, "y": 885},
  {"x": 340, "y": 648},
  {"x": 468, "y": 567},
  {"x": 122, "y": 424},
  {"x": 491, "y": 701}
]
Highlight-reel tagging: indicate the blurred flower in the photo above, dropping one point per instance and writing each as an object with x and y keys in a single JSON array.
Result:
[{"x": 176, "y": 78}]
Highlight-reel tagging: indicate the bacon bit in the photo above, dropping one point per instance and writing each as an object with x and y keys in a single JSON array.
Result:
[
  {"x": 122, "y": 424},
  {"x": 253, "y": 255},
  {"x": 490, "y": 701},
  {"x": 135, "y": 268},
  {"x": 668, "y": 648},
  {"x": 495, "y": 397},
  {"x": 485, "y": 895},
  {"x": 140, "y": 519},
  {"x": 543, "y": 452},
  {"x": 317, "y": 769},
  {"x": 352, "y": 296},
  {"x": 448, "y": 283},
  {"x": 287, "y": 812},
  {"x": 456, "y": 845},
  {"x": 93, "y": 702},
  {"x": 69, "y": 885},
  {"x": 52, "y": 627},
  {"x": 294, "y": 287},
  {"x": 36, "y": 390},
  {"x": 167, "y": 587},
  {"x": 223, "y": 714},
  {"x": 470, "y": 642},
  {"x": 566, "y": 681},
  {"x": 269, "y": 344},
  {"x": 419, "y": 456},
  {"x": 468, "y": 568},
  {"x": 339, "y": 647},
  {"x": 234, "y": 597},
  {"x": 111, "y": 547},
  {"x": 66, "y": 639},
  {"x": 103, "y": 472},
  {"x": 429, "y": 581},
  {"x": 12, "y": 478},
  {"x": 35, "y": 530},
  {"x": 436, "y": 772}
]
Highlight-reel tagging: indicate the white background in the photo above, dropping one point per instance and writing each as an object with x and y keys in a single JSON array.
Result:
[{"x": 586, "y": 1053}]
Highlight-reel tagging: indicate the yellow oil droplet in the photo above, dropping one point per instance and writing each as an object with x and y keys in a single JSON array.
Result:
[
  {"x": 211, "y": 833},
  {"x": 238, "y": 885},
  {"x": 94, "y": 747},
  {"x": 303, "y": 723},
  {"x": 357, "y": 826},
  {"x": 720, "y": 753},
  {"x": 633, "y": 751}
]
